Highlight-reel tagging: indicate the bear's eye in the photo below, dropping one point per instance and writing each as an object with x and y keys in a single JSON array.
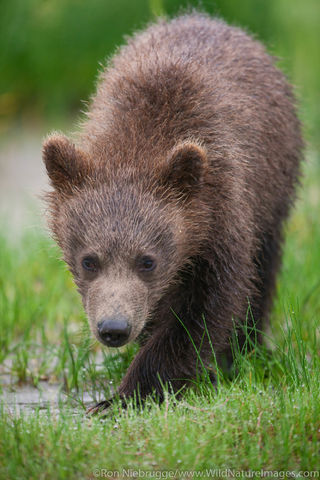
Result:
[
  {"x": 146, "y": 264},
  {"x": 90, "y": 264}
]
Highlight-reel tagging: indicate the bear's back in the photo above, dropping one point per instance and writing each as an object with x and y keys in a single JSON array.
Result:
[{"x": 195, "y": 77}]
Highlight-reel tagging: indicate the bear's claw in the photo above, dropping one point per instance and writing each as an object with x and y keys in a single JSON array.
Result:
[{"x": 101, "y": 407}]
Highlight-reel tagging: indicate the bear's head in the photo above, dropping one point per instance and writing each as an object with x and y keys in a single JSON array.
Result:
[{"x": 126, "y": 233}]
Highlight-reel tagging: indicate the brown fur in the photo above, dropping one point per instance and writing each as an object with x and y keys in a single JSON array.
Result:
[{"x": 190, "y": 153}]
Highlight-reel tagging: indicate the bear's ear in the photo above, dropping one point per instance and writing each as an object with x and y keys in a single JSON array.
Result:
[
  {"x": 67, "y": 166},
  {"x": 185, "y": 168}
]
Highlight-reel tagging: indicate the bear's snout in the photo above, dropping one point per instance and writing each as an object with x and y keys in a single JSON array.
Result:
[{"x": 114, "y": 331}]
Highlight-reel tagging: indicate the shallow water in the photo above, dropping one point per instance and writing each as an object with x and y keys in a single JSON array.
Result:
[{"x": 25, "y": 398}]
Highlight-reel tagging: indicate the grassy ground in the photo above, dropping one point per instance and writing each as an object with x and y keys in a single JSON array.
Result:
[{"x": 267, "y": 418}]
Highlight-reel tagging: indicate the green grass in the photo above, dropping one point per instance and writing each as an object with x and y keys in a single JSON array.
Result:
[{"x": 266, "y": 417}]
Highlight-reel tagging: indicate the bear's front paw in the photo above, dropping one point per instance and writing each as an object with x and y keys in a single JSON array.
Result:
[
  {"x": 99, "y": 407},
  {"x": 102, "y": 407}
]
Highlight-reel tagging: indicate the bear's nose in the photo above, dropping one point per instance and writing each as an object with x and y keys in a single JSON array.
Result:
[{"x": 114, "y": 331}]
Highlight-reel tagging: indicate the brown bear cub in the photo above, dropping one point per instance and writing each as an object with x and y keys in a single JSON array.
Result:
[{"x": 169, "y": 209}]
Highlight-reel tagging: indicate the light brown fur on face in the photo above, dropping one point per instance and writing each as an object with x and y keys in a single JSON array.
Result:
[
  {"x": 114, "y": 293},
  {"x": 189, "y": 156}
]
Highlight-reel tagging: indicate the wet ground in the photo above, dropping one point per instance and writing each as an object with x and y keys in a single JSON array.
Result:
[
  {"x": 17, "y": 397},
  {"x": 28, "y": 399}
]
